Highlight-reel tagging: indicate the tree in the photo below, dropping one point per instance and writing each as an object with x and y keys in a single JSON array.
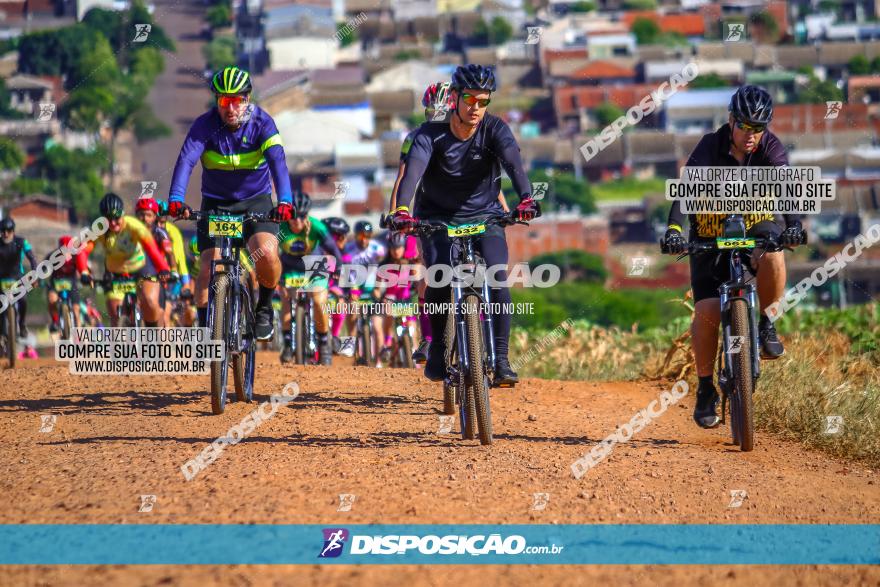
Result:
[
  {"x": 574, "y": 265},
  {"x": 606, "y": 113},
  {"x": 708, "y": 80},
  {"x": 582, "y": 7},
  {"x": 764, "y": 27},
  {"x": 564, "y": 189},
  {"x": 639, "y": 4},
  {"x": 646, "y": 31},
  {"x": 859, "y": 65},
  {"x": 219, "y": 53},
  {"x": 73, "y": 177},
  {"x": 219, "y": 16},
  {"x": 11, "y": 156},
  {"x": 346, "y": 34},
  {"x": 500, "y": 31},
  {"x": 875, "y": 65},
  {"x": 818, "y": 92}
]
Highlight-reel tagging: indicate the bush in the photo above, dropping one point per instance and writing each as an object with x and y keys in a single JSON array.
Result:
[
  {"x": 575, "y": 265},
  {"x": 629, "y": 308}
]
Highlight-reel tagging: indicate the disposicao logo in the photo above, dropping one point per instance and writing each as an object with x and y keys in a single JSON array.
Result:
[{"x": 334, "y": 540}]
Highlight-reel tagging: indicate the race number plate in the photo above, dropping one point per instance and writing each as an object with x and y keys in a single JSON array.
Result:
[
  {"x": 295, "y": 280},
  {"x": 63, "y": 285},
  {"x": 125, "y": 287},
  {"x": 466, "y": 229},
  {"x": 735, "y": 243},
  {"x": 230, "y": 226}
]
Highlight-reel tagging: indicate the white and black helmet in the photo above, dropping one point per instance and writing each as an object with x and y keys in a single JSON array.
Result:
[{"x": 752, "y": 104}]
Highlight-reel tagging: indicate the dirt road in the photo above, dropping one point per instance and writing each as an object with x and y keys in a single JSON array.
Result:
[{"x": 374, "y": 433}]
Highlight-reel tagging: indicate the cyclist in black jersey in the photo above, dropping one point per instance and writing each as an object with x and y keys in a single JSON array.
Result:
[
  {"x": 743, "y": 141},
  {"x": 454, "y": 171},
  {"x": 13, "y": 251}
]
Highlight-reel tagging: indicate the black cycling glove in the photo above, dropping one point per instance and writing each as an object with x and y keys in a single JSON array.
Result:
[{"x": 675, "y": 243}]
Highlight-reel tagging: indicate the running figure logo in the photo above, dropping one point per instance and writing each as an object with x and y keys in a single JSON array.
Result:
[
  {"x": 47, "y": 109},
  {"x": 141, "y": 31},
  {"x": 534, "y": 35},
  {"x": 340, "y": 189},
  {"x": 334, "y": 540},
  {"x": 539, "y": 189},
  {"x": 832, "y": 109},
  {"x": 734, "y": 31},
  {"x": 736, "y": 344},
  {"x": 148, "y": 188}
]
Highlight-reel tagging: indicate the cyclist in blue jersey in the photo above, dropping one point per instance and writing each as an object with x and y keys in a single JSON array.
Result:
[
  {"x": 454, "y": 171},
  {"x": 241, "y": 154}
]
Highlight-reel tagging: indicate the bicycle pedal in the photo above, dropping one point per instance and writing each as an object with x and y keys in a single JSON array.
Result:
[{"x": 503, "y": 385}]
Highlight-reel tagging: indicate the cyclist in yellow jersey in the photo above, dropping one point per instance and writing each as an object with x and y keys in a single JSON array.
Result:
[{"x": 130, "y": 251}]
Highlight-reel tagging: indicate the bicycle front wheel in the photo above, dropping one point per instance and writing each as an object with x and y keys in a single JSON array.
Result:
[
  {"x": 301, "y": 342},
  {"x": 219, "y": 369},
  {"x": 243, "y": 362},
  {"x": 65, "y": 319},
  {"x": 476, "y": 377},
  {"x": 364, "y": 342},
  {"x": 743, "y": 383}
]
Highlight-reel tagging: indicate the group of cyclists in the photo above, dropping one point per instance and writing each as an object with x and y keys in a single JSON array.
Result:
[{"x": 450, "y": 171}]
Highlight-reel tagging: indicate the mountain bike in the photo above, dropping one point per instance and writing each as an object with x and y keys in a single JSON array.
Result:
[
  {"x": 402, "y": 342},
  {"x": 63, "y": 286},
  {"x": 470, "y": 341},
  {"x": 739, "y": 364},
  {"x": 305, "y": 338},
  {"x": 230, "y": 307},
  {"x": 365, "y": 310},
  {"x": 9, "y": 333}
]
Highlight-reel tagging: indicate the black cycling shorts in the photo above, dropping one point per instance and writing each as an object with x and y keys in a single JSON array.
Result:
[
  {"x": 710, "y": 270},
  {"x": 258, "y": 205}
]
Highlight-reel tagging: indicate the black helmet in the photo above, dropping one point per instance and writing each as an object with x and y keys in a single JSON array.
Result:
[
  {"x": 7, "y": 224},
  {"x": 112, "y": 206},
  {"x": 363, "y": 226},
  {"x": 231, "y": 80},
  {"x": 397, "y": 239},
  {"x": 337, "y": 226},
  {"x": 302, "y": 203},
  {"x": 474, "y": 77},
  {"x": 752, "y": 104}
]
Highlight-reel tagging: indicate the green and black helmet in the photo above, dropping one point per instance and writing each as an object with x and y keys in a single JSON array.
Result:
[{"x": 231, "y": 80}]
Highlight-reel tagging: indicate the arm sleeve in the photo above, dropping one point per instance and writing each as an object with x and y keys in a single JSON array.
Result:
[
  {"x": 193, "y": 147},
  {"x": 699, "y": 157},
  {"x": 416, "y": 163},
  {"x": 507, "y": 150},
  {"x": 29, "y": 253},
  {"x": 778, "y": 157},
  {"x": 152, "y": 250},
  {"x": 329, "y": 245},
  {"x": 81, "y": 260},
  {"x": 273, "y": 151}
]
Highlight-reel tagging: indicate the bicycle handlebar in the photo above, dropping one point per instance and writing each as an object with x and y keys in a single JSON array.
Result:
[
  {"x": 426, "y": 227},
  {"x": 703, "y": 246},
  {"x": 201, "y": 215}
]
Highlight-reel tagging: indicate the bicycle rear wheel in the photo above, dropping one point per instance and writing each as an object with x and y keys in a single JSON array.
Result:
[
  {"x": 476, "y": 378},
  {"x": 743, "y": 384},
  {"x": 12, "y": 334},
  {"x": 449, "y": 397},
  {"x": 219, "y": 369}
]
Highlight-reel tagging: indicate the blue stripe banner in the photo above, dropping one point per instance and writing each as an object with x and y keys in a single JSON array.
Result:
[{"x": 603, "y": 544}]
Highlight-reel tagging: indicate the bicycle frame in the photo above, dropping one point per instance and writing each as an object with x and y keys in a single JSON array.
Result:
[
  {"x": 737, "y": 288},
  {"x": 467, "y": 256},
  {"x": 229, "y": 261}
]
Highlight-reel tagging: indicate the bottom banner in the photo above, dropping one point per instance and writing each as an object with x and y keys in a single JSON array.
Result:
[{"x": 603, "y": 544}]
